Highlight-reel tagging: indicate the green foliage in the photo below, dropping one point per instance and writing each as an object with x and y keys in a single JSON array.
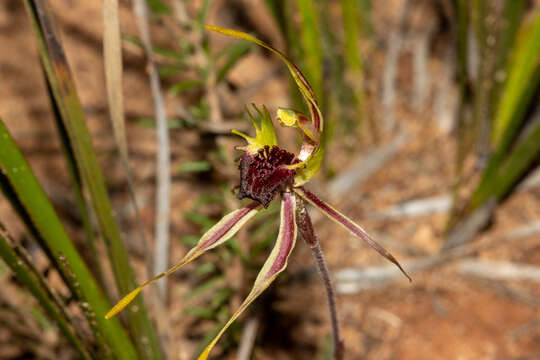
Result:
[
  {"x": 70, "y": 110},
  {"x": 195, "y": 167},
  {"x": 509, "y": 64},
  {"x": 34, "y": 204},
  {"x": 311, "y": 44},
  {"x": 29, "y": 280}
]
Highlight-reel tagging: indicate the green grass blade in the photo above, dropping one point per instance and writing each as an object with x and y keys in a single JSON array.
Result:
[
  {"x": 522, "y": 79},
  {"x": 232, "y": 53},
  {"x": 65, "y": 94},
  {"x": 350, "y": 14},
  {"x": 311, "y": 44},
  {"x": 77, "y": 186},
  {"x": 512, "y": 14},
  {"x": 26, "y": 277},
  {"x": 485, "y": 33},
  {"x": 513, "y": 167},
  {"x": 44, "y": 218},
  {"x": 463, "y": 129},
  {"x": 284, "y": 12},
  {"x": 353, "y": 23}
]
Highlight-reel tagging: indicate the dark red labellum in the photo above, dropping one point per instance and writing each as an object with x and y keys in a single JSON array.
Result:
[{"x": 264, "y": 175}]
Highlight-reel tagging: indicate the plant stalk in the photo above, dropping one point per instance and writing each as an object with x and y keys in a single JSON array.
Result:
[{"x": 305, "y": 227}]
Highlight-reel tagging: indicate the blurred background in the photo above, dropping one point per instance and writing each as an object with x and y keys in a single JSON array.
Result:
[{"x": 433, "y": 129}]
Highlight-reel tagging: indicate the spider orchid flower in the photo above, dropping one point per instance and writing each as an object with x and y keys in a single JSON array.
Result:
[{"x": 267, "y": 171}]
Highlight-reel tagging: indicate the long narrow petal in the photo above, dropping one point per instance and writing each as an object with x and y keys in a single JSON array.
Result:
[
  {"x": 217, "y": 235},
  {"x": 299, "y": 78},
  {"x": 275, "y": 264},
  {"x": 348, "y": 224}
]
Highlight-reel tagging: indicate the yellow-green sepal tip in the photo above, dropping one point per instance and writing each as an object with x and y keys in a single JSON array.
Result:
[{"x": 123, "y": 303}]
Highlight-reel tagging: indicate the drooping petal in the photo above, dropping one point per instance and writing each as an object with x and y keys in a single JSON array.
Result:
[
  {"x": 217, "y": 235},
  {"x": 275, "y": 264},
  {"x": 347, "y": 223},
  {"x": 312, "y": 162}
]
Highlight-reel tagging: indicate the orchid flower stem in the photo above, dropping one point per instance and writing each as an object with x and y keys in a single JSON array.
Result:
[{"x": 305, "y": 227}]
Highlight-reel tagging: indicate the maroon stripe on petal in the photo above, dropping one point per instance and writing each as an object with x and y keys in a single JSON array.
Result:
[
  {"x": 349, "y": 225},
  {"x": 228, "y": 225},
  {"x": 288, "y": 233},
  {"x": 316, "y": 117}
]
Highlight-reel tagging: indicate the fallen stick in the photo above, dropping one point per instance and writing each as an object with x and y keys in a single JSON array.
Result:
[
  {"x": 353, "y": 280},
  {"x": 499, "y": 270}
]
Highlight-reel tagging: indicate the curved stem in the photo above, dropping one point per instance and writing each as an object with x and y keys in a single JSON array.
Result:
[{"x": 305, "y": 227}]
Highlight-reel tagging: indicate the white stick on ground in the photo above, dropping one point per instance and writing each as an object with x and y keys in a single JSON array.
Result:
[
  {"x": 499, "y": 270},
  {"x": 366, "y": 166},
  {"x": 421, "y": 81},
  {"x": 414, "y": 208},
  {"x": 249, "y": 334},
  {"x": 354, "y": 280},
  {"x": 163, "y": 179}
]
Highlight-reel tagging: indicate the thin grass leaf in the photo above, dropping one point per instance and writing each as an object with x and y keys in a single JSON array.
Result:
[
  {"x": 203, "y": 14},
  {"x": 27, "y": 278},
  {"x": 159, "y": 7},
  {"x": 463, "y": 131},
  {"x": 311, "y": 44},
  {"x": 352, "y": 25},
  {"x": 195, "y": 167},
  {"x": 180, "y": 87},
  {"x": 273, "y": 266},
  {"x": 206, "y": 286},
  {"x": 165, "y": 52},
  {"x": 59, "y": 77},
  {"x": 202, "y": 220},
  {"x": 486, "y": 36},
  {"x": 348, "y": 224},
  {"x": 284, "y": 13},
  {"x": 513, "y": 167},
  {"x": 233, "y": 53},
  {"x": 221, "y": 297},
  {"x": 512, "y": 14},
  {"x": 46, "y": 222},
  {"x": 169, "y": 53},
  {"x": 217, "y": 235},
  {"x": 205, "y": 269},
  {"x": 200, "y": 312},
  {"x": 523, "y": 79},
  {"x": 170, "y": 70},
  {"x": 77, "y": 186}
]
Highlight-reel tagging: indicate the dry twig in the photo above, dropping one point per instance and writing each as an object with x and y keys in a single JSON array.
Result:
[
  {"x": 163, "y": 155},
  {"x": 353, "y": 280}
]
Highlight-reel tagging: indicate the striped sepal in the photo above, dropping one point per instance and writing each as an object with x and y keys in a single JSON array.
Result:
[
  {"x": 217, "y": 235},
  {"x": 347, "y": 223},
  {"x": 275, "y": 264}
]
